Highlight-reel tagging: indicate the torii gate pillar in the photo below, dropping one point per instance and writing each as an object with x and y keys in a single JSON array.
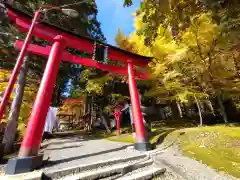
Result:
[
  {"x": 33, "y": 137},
  {"x": 142, "y": 143},
  {"x": 28, "y": 158}
]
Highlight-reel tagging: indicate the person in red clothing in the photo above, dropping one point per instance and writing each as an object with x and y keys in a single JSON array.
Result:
[{"x": 117, "y": 115}]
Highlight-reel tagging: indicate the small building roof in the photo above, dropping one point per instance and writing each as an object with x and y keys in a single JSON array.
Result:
[{"x": 73, "y": 100}]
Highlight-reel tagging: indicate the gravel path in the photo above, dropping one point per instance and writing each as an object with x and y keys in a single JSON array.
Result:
[
  {"x": 71, "y": 151},
  {"x": 178, "y": 164}
]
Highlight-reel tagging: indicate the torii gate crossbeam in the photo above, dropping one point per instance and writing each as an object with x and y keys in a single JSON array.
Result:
[{"x": 67, "y": 57}]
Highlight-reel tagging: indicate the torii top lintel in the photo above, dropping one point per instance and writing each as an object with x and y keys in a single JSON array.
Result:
[{"x": 49, "y": 32}]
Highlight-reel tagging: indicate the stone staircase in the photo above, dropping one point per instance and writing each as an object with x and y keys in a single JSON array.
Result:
[{"x": 131, "y": 168}]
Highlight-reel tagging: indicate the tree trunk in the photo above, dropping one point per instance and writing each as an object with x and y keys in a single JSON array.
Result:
[
  {"x": 58, "y": 97},
  {"x": 11, "y": 129},
  {"x": 87, "y": 105},
  {"x": 199, "y": 110},
  {"x": 179, "y": 109},
  {"x": 209, "y": 103},
  {"x": 223, "y": 112},
  {"x": 202, "y": 107},
  {"x": 93, "y": 111},
  {"x": 104, "y": 121}
]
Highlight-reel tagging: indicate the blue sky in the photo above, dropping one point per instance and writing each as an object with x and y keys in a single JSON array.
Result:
[{"x": 113, "y": 15}]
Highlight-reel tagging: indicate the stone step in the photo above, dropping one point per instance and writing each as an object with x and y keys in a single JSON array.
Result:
[
  {"x": 144, "y": 173},
  {"x": 57, "y": 174},
  {"x": 108, "y": 171}
]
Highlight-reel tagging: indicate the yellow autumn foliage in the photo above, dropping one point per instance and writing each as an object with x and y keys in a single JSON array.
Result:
[
  {"x": 183, "y": 66},
  {"x": 30, "y": 92}
]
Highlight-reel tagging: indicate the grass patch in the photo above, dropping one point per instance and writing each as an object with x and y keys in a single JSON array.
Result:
[
  {"x": 216, "y": 146},
  {"x": 158, "y": 134},
  {"x": 159, "y": 131},
  {"x": 155, "y": 137},
  {"x": 127, "y": 138}
]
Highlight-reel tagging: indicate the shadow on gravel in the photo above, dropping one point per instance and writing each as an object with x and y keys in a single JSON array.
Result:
[
  {"x": 71, "y": 139},
  {"x": 65, "y": 147},
  {"x": 52, "y": 163},
  {"x": 58, "y": 143}
]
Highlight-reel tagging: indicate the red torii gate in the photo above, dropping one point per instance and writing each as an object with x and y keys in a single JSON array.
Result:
[{"x": 55, "y": 53}]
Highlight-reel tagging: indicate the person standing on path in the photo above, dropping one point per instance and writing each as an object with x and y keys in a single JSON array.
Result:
[
  {"x": 51, "y": 122},
  {"x": 117, "y": 115}
]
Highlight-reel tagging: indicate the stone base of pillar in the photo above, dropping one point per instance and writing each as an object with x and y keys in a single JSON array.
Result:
[
  {"x": 23, "y": 164},
  {"x": 143, "y": 146}
]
